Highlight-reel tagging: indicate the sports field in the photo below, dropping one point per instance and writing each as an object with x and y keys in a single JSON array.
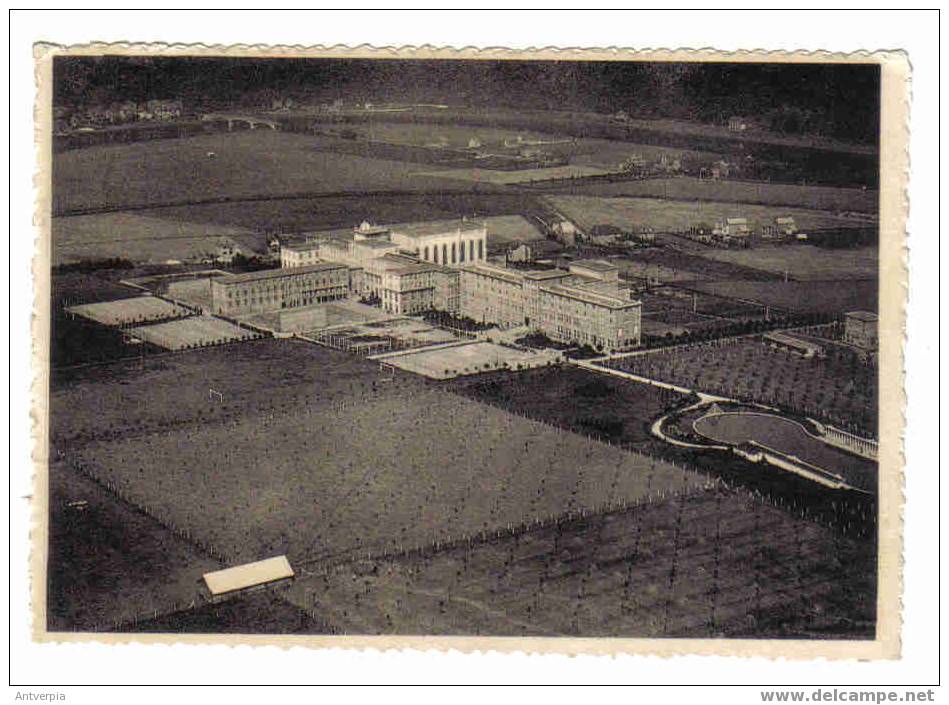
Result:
[
  {"x": 138, "y": 309},
  {"x": 470, "y": 358},
  {"x": 196, "y": 331}
]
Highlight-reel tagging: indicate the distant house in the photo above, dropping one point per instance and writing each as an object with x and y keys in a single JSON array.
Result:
[
  {"x": 669, "y": 165},
  {"x": 634, "y": 163},
  {"x": 226, "y": 252},
  {"x": 720, "y": 169},
  {"x": 566, "y": 232},
  {"x": 532, "y": 251},
  {"x": 733, "y": 230},
  {"x": 737, "y": 123},
  {"x": 164, "y": 109},
  {"x": 605, "y": 233},
  {"x": 779, "y": 227}
]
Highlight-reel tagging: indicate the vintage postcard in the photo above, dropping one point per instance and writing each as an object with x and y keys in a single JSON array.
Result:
[{"x": 577, "y": 351}]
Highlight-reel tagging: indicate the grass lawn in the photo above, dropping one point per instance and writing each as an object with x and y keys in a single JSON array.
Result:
[
  {"x": 246, "y": 163},
  {"x": 679, "y": 215},
  {"x": 805, "y": 262},
  {"x": 575, "y": 398},
  {"x": 802, "y": 296},
  {"x": 828, "y": 198}
]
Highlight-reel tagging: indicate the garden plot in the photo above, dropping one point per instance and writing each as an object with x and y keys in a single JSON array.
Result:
[
  {"x": 139, "y": 309},
  {"x": 193, "y": 332},
  {"x": 838, "y": 391}
]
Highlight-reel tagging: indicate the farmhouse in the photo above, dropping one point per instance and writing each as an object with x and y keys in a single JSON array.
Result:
[
  {"x": 583, "y": 305},
  {"x": 782, "y": 226},
  {"x": 273, "y": 289},
  {"x": 732, "y": 230}
]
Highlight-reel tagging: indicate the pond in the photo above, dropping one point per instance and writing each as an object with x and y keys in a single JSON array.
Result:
[{"x": 790, "y": 437}]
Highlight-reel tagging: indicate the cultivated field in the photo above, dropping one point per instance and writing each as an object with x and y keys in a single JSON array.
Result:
[
  {"x": 520, "y": 176},
  {"x": 805, "y": 262},
  {"x": 245, "y": 163},
  {"x": 141, "y": 238},
  {"x": 822, "y": 198},
  {"x": 710, "y": 564},
  {"x": 325, "y": 212},
  {"x": 139, "y": 309},
  {"x": 505, "y": 229},
  {"x": 841, "y": 393},
  {"x": 679, "y": 215},
  {"x": 193, "y": 332},
  {"x": 804, "y": 296}
]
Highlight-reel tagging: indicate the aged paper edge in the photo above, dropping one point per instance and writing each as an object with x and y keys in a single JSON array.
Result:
[{"x": 894, "y": 163}]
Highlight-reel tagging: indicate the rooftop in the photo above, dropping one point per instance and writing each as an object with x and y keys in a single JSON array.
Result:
[
  {"x": 301, "y": 246},
  {"x": 377, "y": 244},
  {"x": 597, "y": 265},
  {"x": 591, "y": 295},
  {"x": 436, "y": 227},
  {"x": 277, "y": 273},
  {"x": 248, "y": 575}
]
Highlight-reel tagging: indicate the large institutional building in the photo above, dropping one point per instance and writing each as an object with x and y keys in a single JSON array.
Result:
[
  {"x": 273, "y": 289},
  {"x": 409, "y": 268},
  {"x": 584, "y": 305},
  {"x": 442, "y": 266}
]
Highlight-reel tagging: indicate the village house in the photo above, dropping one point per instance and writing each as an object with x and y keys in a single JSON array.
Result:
[
  {"x": 735, "y": 231},
  {"x": 737, "y": 123},
  {"x": 780, "y": 227}
]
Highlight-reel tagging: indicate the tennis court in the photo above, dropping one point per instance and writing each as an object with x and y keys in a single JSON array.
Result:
[
  {"x": 139, "y": 309},
  {"x": 468, "y": 358},
  {"x": 193, "y": 332}
]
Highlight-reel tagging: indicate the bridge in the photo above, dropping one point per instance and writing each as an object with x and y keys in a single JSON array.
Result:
[{"x": 253, "y": 122}]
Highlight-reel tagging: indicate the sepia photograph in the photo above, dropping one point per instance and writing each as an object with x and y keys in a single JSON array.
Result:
[{"x": 407, "y": 346}]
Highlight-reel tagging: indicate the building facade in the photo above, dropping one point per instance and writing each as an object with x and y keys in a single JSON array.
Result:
[
  {"x": 584, "y": 305},
  {"x": 274, "y": 289},
  {"x": 448, "y": 243},
  {"x": 861, "y": 329}
]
